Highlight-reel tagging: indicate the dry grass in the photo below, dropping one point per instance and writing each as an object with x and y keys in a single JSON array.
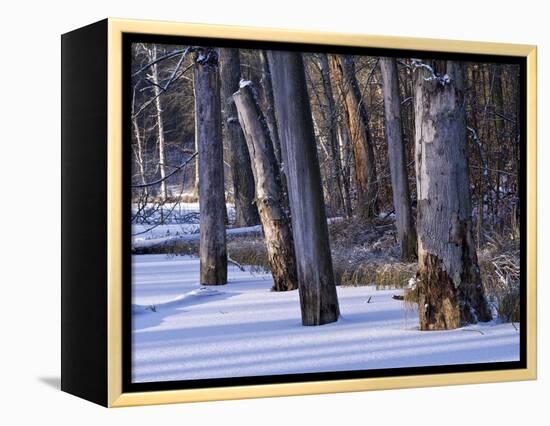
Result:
[
  {"x": 499, "y": 263},
  {"x": 250, "y": 251},
  {"x": 367, "y": 254}
]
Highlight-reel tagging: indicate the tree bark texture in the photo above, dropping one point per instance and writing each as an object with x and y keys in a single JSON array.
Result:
[
  {"x": 213, "y": 252},
  {"x": 318, "y": 298},
  {"x": 343, "y": 70},
  {"x": 269, "y": 196},
  {"x": 406, "y": 232},
  {"x": 246, "y": 212},
  {"x": 449, "y": 284}
]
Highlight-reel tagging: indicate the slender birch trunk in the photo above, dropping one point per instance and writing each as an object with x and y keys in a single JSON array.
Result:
[{"x": 160, "y": 124}]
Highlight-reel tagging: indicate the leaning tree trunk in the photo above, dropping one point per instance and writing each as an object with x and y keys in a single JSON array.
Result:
[
  {"x": 213, "y": 252},
  {"x": 318, "y": 298},
  {"x": 406, "y": 233},
  {"x": 343, "y": 70},
  {"x": 449, "y": 284},
  {"x": 269, "y": 194},
  {"x": 246, "y": 212}
]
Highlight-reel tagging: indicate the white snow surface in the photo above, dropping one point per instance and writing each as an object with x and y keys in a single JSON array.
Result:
[{"x": 182, "y": 331}]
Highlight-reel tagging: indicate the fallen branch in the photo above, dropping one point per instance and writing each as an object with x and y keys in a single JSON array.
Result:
[{"x": 237, "y": 264}]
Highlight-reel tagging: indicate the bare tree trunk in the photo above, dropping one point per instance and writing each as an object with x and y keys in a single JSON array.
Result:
[
  {"x": 318, "y": 298},
  {"x": 269, "y": 195},
  {"x": 481, "y": 178},
  {"x": 343, "y": 70},
  {"x": 449, "y": 284},
  {"x": 268, "y": 107},
  {"x": 500, "y": 137},
  {"x": 333, "y": 134},
  {"x": 398, "y": 164},
  {"x": 246, "y": 212},
  {"x": 160, "y": 124},
  {"x": 344, "y": 146},
  {"x": 139, "y": 143},
  {"x": 213, "y": 252}
]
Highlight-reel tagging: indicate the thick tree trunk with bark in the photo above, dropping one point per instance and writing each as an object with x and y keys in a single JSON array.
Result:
[
  {"x": 406, "y": 232},
  {"x": 269, "y": 194},
  {"x": 449, "y": 284},
  {"x": 318, "y": 298},
  {"x": 246, "y": 212},
  {"x": 343, "y": 71},
  {"x": 213, "y": 252}
]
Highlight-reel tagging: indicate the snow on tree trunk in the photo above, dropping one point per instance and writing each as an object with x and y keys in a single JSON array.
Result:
[
  {"x": 448, "y": 278},
  {"x": 213, "y": 252},
  {"x": 318, "y": 298},
  {"x": 343, "y": 70},
  {"x": 406, "y": 232},
  {"x": 269, "y": 194},
  {"x": 246, "y": 212}
]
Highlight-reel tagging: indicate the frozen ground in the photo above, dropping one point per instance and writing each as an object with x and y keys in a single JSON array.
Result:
[{"x": 181, "y": 331}]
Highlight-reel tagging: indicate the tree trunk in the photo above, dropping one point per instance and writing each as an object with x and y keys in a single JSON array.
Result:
[
  {"x": 318, "y": 298},
  {"x": 213, "y": 252},
  {"x": 160, "y": 124},
  {"x": 344, "y": 146},
  {"x": 406, "y": 233},
  {"x": 246, "y": 212},
  {"x": 500, "y": 138},
  {"x": 268, "y": 106},
  {"x": 139, "y": 143},
  {"x": 269, "y": 195},
  {"x": 343, "y": 191},
  {"x": 449, "y": 284},
  {"x": 343, "y": 70}
]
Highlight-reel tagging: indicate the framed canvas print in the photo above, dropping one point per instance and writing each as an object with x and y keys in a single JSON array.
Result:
[{"x": 253, "y": 212}]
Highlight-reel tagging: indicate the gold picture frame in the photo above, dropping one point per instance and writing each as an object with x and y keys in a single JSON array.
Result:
[{"x": 114, "y": 234}]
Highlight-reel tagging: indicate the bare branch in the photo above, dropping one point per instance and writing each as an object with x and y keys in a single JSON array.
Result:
[{"x": 156, "y": 182}]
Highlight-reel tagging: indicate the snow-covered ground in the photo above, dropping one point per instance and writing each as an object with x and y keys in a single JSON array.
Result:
[{"x": 182, "y": 332}]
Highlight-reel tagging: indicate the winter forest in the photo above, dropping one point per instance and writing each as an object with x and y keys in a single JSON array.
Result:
[{"x": 298, "y": 212}]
